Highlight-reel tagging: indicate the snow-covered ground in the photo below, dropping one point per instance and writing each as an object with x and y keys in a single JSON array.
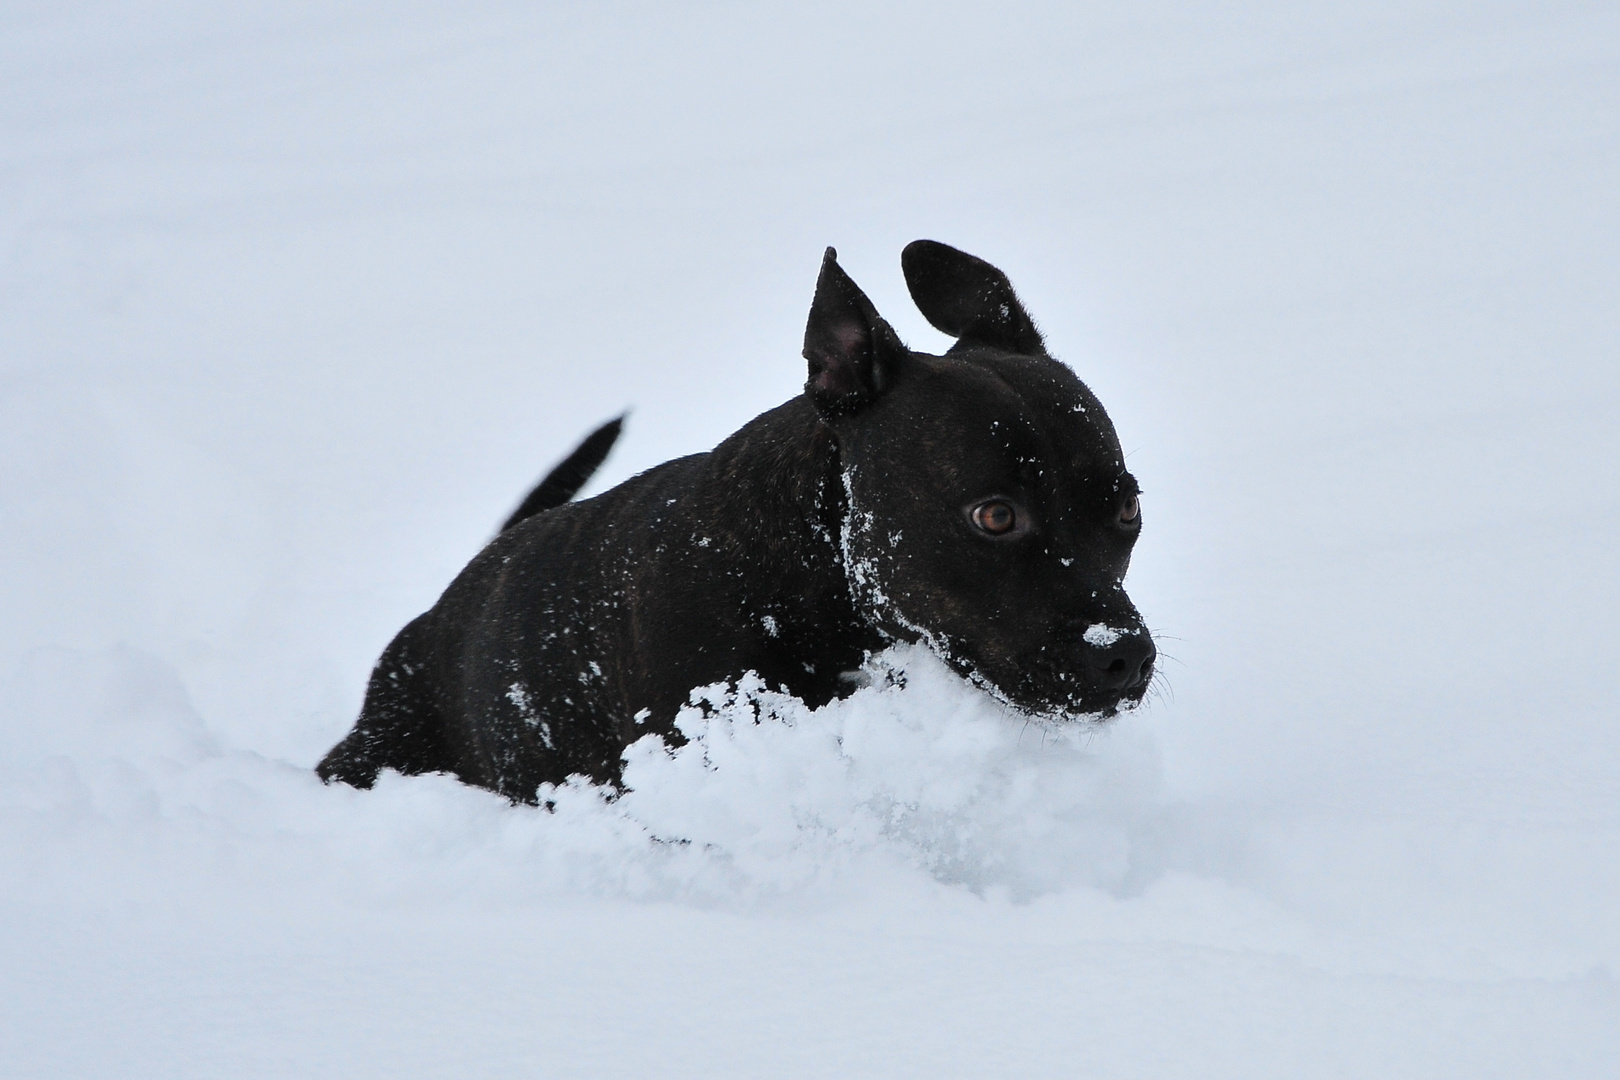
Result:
[{"x": 296, "y": 299}]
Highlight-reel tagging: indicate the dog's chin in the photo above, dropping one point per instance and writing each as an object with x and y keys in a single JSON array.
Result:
[
  {"x": 1100, "y": 711},
  {"x": 1090, "y": 709},
  {"x": 1052, "y": 701}
]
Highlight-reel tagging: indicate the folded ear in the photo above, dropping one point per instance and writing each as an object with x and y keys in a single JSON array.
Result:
[
  {"x": 968, "y": 298},
  {"x": 852, "y": 351}
]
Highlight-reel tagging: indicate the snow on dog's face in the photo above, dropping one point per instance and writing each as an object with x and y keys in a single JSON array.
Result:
[{"x": 989, "y": 513}]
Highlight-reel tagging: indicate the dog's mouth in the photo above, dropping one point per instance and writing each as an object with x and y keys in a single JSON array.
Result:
[
  {"x": 1071, "y": 678},
  {"x": 1058, "y": 686}
]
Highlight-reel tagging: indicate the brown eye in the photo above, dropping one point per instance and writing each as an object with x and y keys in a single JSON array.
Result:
[
  {"x": 1129, "y": 512},
  {"x": 995, "y": 517}
]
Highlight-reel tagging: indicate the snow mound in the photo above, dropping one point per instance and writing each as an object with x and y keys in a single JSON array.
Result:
[
  {"x": 917, "y": 768},
  {"x": 916, "y": 774}
]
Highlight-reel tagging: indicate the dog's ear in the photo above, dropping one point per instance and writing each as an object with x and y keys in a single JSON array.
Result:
[
  {"x": 968, "y": 298},
  {"x": 852, "y": 351}
]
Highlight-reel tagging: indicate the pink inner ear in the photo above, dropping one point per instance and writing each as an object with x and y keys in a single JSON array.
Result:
[
  {"x": 851, "y": 338},
  {"x": 843, "y": 375},
  {"x": 837, "y": 379}
]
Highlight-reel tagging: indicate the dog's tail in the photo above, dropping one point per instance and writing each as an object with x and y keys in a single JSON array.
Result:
[{"x": 570, "y": 475}]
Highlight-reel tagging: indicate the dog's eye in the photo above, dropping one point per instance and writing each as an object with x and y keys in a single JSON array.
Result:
[
  {"x": 1130, "y": 511},
  {"x": 995, "y": 517}
]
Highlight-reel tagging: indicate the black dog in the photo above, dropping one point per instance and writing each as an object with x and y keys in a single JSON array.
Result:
[{"x": 976, "y": 501}]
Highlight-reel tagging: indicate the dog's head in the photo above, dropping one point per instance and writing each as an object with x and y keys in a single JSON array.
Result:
[{"x": 989, "y": 512}]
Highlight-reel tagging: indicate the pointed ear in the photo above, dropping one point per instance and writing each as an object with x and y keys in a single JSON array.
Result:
[
  {"x": 968, "y": 298},
  {"x": 852, "y": 351}
]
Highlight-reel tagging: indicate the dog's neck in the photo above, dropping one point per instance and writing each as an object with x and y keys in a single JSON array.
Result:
[{"x": 780, "y": 479}]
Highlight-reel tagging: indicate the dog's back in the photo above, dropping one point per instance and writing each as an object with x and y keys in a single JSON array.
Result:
[
  {"x": 402, "y": 725},
  {"x": 552, "y": 650}
]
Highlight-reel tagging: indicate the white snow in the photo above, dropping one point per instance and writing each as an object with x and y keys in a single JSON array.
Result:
[
  {"x": 1100, "y": 635},
  {"x": 297, "y": 300}
]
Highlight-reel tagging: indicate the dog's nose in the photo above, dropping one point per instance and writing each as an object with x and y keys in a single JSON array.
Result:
[{"x": 1119, "y": 661}]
